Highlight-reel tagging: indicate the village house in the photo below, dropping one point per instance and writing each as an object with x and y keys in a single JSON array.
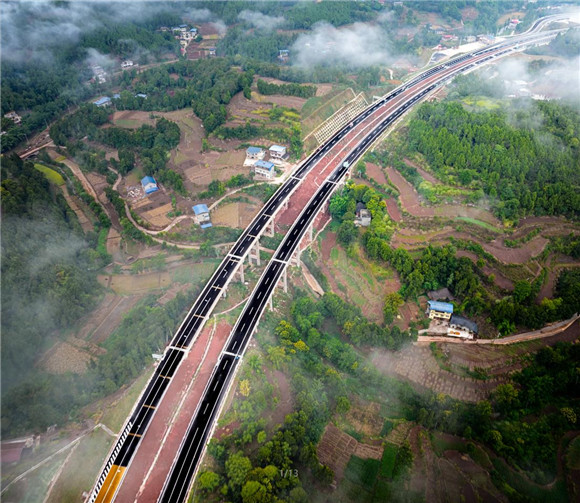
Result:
[
  {"x": 439, "y": 310},
  {"x": 277, "y": 152},
  {"x": 283, "y": 55},
  {"x": 462, "y": 327},
  {"x": 105, "y": 101},
  {"x": 126, "y": 64},
  {"x": 202, "y": 218},
  {"x": 149, "y": 185},
  {"x": 14, "y": 117},
  {"x": 264, "y": 168},
  {"x": 255, "y": 153}
]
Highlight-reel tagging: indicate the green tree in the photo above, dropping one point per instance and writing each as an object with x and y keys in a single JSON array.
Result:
[
  {"x": 393, "y": 301},
  {"x": 237, "y": 468},
  {"x": 209, "y": 481}
]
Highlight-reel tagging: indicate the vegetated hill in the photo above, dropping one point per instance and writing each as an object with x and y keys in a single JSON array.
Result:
[
  {"x": 527, "y": 169},
  {"x": 48, "y": 278}
]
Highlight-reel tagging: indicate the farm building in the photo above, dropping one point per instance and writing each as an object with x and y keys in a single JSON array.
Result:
[
  {"x": 441, "y": 310},
  {"x": 462, "y": 327},
  {"x": 105, "y": 101},
  {"x": 264, "y": 168},
  {"x": 277, "y": 152},
  {"x": 255, "y": 153},
  {"x": 126, "y": 64},
  {"x": 149, "y": 184},
  {"x": 202, "y": 215},
  {"x": 141, "y": 95}
]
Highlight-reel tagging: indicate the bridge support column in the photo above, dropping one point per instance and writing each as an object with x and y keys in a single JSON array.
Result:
[
  {"x": 284, "y": 280},
  {"x": 311, "y": 231},
  {"x": 241, "y": 272},
  {"x": 295, "y": 258},
  {"x": 270, "y": 303},
  {"x": 269, "y": 231},
  {"x": 255, "y": 253}
]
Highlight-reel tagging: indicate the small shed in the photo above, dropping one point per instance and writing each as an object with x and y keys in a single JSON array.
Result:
[
  {"x": 202, "y": 218},
  {"x": 264, "y": 168},
  {"x": 149, "y": 184}
]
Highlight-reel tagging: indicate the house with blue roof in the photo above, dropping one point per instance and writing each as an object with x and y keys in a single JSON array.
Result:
[
  {"x": 149, "y": 184},
  {"x": 440, "y": 310},
  {"x": 105, "y": 101},
  {"x": 201, "y": 212},
  {"x": 264, "y": 168},
  {"x": 255, "y": 153}
]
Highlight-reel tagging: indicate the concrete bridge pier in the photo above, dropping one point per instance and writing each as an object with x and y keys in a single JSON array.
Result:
[
  {"x": 254, "y": 253},
  {"x": 269, "y": 231}
]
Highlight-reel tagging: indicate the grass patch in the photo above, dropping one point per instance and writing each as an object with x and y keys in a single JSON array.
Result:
[
  {"x": 114, "y": 417},
  {"x": 129, "y": 123},
  {"x": 388, "y": 460},
  {"x": 34, "y": 486},
  {"x": 90, "y": 455},
  {"x": 480, "y": 223},
  {"x": 194, "y": 273},
  {"x": 51, "y": 175},
  {"x": 334, "y": 254},
  {"x": 362, "y": 471},
  {"x": 388, "y": 426}
]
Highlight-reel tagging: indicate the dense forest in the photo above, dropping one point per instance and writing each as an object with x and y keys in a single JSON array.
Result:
[{"x": 538, "y": 166}]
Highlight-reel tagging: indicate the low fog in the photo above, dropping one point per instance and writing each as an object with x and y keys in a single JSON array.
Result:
[
  {"x": 355, "y": 46},
  {"x": 259, "y": 20}
]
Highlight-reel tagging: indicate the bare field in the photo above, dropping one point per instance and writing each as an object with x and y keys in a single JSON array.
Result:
[
  {"x": 158, "y": 216},
  {"x": 72, "y": 355},
  {"x": 236, "y": 215},
  {"x": 411, "y": 203},
  {"x": 376, "y": 173},
  {"x": 125, "y": 284},
  {"x": 132, "y": 119},
  {"x": 336, "y": 447}
]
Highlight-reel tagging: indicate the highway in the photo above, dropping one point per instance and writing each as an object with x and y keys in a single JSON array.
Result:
[
  {"x": 178, "y": 483},
  {"x": 185, "y": 464}
]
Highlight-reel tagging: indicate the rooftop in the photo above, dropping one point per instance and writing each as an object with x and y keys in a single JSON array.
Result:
[
  {"x": 200, "y": 208},
  {"x": 148, "y": 179},
  {"x": 264, "y": 164},
  {"x": 253, "y": 150},
  {"x": 442, "y": 307},
  {"x": 464, "y": 322},
  {"x": 277, "y": 148},
  {"x": 102, "y": 101}
]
